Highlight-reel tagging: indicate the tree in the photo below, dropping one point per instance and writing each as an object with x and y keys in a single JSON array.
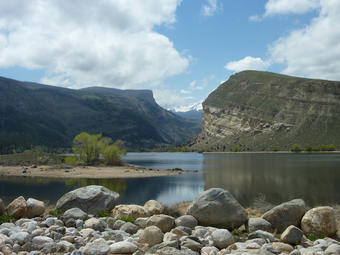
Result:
[{"x": 88, "y": 148}]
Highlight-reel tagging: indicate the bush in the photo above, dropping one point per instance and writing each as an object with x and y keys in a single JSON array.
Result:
[
  {"x": 309, "y": 149},
  {"x": 71, "y": 160},
  {"x": 56, "y": 212},
  {"x": 236, "y": 148},
  {"x": 328, "y": 147},
  {"x": 275, "y": 148},
  {"x": 296, "y": 148}
]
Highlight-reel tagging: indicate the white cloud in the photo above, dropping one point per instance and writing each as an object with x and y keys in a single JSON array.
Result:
[
  {"x": 313, "y": 51},
  {"x": 82, "y": 43},
  {"x": 255, "y": 18},
  {"x": 183, "y": 91},
  {"x": 211, "y": 7},
  {"x": 274, "y": 7},
  {"x": 169, "y": 99},
  {"x": 247, "y": 63}
]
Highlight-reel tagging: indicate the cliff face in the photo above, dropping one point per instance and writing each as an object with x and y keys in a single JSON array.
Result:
[{"x": 260, "y": 110}]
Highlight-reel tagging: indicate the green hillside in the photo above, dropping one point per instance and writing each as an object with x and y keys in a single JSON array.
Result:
[
  {"x": 260, "y": 110},
  {"x": 34, "y": 114}
]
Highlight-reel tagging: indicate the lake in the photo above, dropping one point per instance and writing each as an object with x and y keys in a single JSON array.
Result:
[{"x": 275, "y": 177}]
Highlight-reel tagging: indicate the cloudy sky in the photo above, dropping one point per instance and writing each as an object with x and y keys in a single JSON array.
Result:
[{"x": 181, "y": 49}]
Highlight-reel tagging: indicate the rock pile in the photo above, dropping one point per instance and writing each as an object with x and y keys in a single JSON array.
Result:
[{"x": 212, "y": 226}]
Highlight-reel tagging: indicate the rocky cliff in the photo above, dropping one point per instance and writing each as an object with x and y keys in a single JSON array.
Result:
[{"x": 260, "y": 110}]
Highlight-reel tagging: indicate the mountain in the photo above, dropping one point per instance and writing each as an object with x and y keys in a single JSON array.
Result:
[
  {"x": 259, "y": 110},
  {"x": 193, "y": 111},
  {"x": 34, "y": 114}
]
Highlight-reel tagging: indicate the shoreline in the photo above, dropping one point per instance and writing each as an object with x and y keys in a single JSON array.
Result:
[
  {"x": 272, "y": 152},
  {"x": 85, "y": 172}
]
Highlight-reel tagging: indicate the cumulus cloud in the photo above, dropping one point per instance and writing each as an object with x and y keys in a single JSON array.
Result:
[
  {"x": 82, "y": 43},
  {"x": 169, "y": 99},
  {"x": 211, "y": 7},
  {"x": 313, "y": 51},
  {"x": 274, "y": 7},
  {"x": 247, "y": 63}
]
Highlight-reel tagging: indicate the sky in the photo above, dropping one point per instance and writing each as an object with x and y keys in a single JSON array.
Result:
[{"x": 180, "y": 49}]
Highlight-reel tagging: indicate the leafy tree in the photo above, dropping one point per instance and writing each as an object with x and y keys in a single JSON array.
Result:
[
  {"x": 296, "y": 148},
  {"x": 88, "y": 148},
  {"x": 236, "y": 148}
]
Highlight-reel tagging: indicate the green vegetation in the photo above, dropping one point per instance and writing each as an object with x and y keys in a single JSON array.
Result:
[
  {"x": 103, "y": 214},
  {"x": 126, "y": 219},
  {"x": 88, "y": 149},
  {"x": 328, "y": 147},
  {"x": 236, "y": 148},
  {"x": 6, "y": 218},
  {"x": 56, "y": 212},
  {"x": 296, "y": 148},
  {"x": 275, "y": 148},
  {"x": 309, "y": 149},
  {"x": 30, "y": 158}
]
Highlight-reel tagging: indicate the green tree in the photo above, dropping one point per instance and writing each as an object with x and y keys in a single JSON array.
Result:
[
  {"x": 88, "y": 149},
  {"x": 296, "y": 148}
]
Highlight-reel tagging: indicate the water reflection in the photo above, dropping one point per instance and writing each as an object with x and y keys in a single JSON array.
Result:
[
  {"x": 280, "y": 177},
  {"x": 315, "y": 178}
]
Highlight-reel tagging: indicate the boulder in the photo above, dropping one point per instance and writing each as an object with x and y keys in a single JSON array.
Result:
[
  {"x": 75, "y": 213},
  {"x": 222, "y": 238},
  {"x": 258, "y": 224},
  {"x": 153, "y": 207},
  {"x": 35, "y": 208},
  {"x": 292, "y": 235},
  {"x": 129, "y": 211},
  {"x": 151, "y": 235},
  {"x": 96, "y": 224},
  {"x": 186, "y": 221},
  {"x": 123, "y": 247},
  {"x": 319, "y": 221},
  {"x": 97, "y": 247},
  {"x": 2, "y": 207},
  {"x": 333, "y": 249},
  {"x": 286, "y": 214},
  {"x": 164, "y": 222},
  {"x": 129, "y": 227},
  {"x": 91, "y": 199},
  {"x": 263, "y": 235},
  {"x": 218, "y": 208},
  {"x": 17, "y": 208}
]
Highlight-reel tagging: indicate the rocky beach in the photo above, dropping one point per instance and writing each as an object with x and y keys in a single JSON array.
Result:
[{"x": 89, "y": 221}]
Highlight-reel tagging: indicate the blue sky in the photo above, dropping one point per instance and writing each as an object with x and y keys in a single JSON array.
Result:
[{"x": 182, "y": 50}]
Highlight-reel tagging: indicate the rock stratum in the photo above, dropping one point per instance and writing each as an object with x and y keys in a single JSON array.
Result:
[{"x": 261, "y": 110}]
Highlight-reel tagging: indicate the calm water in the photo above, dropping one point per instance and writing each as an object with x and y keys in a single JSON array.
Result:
[{"x": 278, "y": 177}]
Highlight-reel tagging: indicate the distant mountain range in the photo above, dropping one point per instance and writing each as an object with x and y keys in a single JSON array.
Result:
[
  {"x": 34, "y": 114},
  {"x": 193, "y": 111}
]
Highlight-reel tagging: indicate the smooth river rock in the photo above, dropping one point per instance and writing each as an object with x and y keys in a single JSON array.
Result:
[
  {"x": 91, "y": 199},
  {"x": 129, "y": 211},
  {"x": 34, "y": 208},
  {"x": 286, "y": 214},
  {"x": 217, "y": 207},
  {"x": 2, "y": 207},
  {"x": 319, "y": 221},
  {"x": 17, "y": 208}
]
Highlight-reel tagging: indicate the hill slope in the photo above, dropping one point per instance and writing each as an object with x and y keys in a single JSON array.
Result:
[
  {"x": 260, "y": 110},
  {"x": 34, "y": 114}
]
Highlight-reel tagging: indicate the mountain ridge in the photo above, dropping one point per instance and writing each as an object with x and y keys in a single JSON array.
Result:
[
  {"x": 35, "y": 114},
  {"x": 261, "y": 110}
]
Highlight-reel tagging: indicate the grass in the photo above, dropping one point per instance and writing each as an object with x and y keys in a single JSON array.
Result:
[
  {"x": 30, "y": 158},
  {"x": 56, "y": 212},
  {"x": 126, "y": 219},
  {"x": 103, "y": 214},
  {"x": 5, "y": 218}
]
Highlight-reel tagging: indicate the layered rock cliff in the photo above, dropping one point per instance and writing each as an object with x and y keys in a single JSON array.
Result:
[{"x": 260, "y": 110}]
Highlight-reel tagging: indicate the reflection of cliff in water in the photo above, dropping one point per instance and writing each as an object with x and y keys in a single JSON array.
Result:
[{"x": 280, "y": 178}]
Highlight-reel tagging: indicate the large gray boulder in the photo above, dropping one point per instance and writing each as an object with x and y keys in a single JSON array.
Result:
[
  {"x": 91, "y": 199},
  {"x": 218, "y": 208},
  {"x": 286, "y": 214}
]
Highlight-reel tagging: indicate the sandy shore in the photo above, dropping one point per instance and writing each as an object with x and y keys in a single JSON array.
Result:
[{"x": 86, "y": 172}]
